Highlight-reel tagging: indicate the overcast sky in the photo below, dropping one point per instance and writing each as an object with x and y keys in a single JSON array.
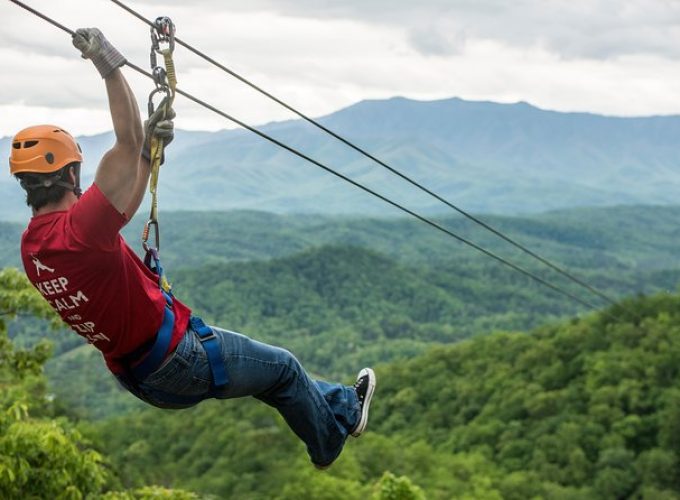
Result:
[{"x": 618, "y": 57}]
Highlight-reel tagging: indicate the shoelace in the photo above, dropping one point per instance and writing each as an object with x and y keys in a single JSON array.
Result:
[{"x": 359, "y": 387}]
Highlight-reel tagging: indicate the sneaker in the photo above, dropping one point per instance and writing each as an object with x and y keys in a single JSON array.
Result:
[{"x": 365, "y": 386}]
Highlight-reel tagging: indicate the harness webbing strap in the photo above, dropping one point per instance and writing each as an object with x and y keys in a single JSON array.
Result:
[
  {"x": 211, "y": 343},
  {"x": 153, "y": 261},
  {"x": 170, "y": 70},
  {"x": 159, "y": 350},
  {"x": 213, "y": 350}
]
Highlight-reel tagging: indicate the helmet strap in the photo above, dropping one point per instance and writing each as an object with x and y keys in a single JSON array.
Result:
[
  {"x": 76, "y": 189},
  {"x": 55, "y": 180}
]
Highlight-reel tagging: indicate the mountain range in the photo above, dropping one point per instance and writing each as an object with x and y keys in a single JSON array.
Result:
[{"x": 484, "y": 156}]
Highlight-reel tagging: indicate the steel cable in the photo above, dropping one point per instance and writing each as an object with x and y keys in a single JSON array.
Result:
[
  {"x": 328, "y": 169},
  {"x": 380, "y": 162}
]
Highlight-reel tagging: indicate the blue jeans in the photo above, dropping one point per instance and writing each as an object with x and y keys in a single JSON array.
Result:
[{"x": 322, "y": 414}]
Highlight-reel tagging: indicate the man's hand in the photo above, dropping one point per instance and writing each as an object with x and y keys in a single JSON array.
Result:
[
  {"x": 159, "y": 125},
  {"x": 93, "y": 45}
]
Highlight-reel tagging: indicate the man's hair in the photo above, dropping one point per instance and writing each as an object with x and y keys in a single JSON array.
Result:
[{"x": 37, "y": 195}]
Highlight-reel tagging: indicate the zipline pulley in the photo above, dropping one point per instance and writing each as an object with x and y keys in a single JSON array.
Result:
[{"x": 162, "y": 31}]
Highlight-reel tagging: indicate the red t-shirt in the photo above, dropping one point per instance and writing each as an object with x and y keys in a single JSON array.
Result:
[{"x": 82, "y": 266}]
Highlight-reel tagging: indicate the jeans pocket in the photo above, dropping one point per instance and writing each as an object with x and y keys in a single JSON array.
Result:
[{"x": 186, "y": 373}]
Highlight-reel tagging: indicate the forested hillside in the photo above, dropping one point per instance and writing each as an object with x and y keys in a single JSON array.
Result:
[
  {"x": 584, "y": 405},
  {"x": 586, "y": 409},
  {"x": 634, "y": 237},
  {"x": 342, "y": 292},
  {"x": 338, "y": 308}
]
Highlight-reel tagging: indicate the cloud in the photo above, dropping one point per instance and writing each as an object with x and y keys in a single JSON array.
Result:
[
  {"x": 599, "y": 55},
  {"x": 597, "y": 29},
  {"x": 300, "y": 59}
]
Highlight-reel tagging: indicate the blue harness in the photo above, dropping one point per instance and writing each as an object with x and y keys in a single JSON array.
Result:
[{"x": 159, "y": 350}]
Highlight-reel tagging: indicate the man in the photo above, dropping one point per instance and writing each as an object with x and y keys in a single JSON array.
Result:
[{"x": 74, "y": 255}]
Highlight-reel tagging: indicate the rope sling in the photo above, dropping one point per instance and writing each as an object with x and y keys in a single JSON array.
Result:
[{"x": 165, "y": 79}]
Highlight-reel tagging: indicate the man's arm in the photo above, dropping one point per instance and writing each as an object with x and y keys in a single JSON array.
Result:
[
  {"x": 119, "y": 170},
  {"x": 139, "y": 189},
  {"x": 121, "y": 176}
]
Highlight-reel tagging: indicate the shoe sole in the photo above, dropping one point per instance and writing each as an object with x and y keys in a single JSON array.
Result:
[{"x": 363, "y": 420}]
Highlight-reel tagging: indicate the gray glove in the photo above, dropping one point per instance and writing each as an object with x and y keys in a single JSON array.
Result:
[
  {"x": 94, "y": 46},
  {"x": 161, "y": 126}
]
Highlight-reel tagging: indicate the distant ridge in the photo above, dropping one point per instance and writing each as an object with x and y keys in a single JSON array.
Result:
[{"x": 485, "y": 156}]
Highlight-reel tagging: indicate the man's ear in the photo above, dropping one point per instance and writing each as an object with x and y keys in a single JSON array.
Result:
[{"x": 72, "y": 175}]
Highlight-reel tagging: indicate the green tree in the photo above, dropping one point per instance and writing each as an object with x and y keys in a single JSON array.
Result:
[
  {"x": 44, "y": 457},
  {"x": 39, "y": 458},
  {"x": 391, "y": 487}
]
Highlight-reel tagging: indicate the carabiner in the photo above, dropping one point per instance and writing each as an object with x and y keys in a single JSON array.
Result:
[
  {"x": 160, "y": 77},
  {"x": 145, "y": 235},
  {"x": 151, "y": 106}
]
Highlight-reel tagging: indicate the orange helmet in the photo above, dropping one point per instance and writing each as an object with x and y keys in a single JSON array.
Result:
[{"x": 43, "y": 149}]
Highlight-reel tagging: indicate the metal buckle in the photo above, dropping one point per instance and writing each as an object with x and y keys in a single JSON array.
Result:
[{"x": 208, "y": 337}]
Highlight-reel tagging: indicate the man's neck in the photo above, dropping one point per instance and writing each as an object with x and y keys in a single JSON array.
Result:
[{"x": 62, "y": 205}]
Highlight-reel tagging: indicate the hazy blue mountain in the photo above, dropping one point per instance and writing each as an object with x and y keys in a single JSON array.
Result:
[
  {"x": 604, "y": 241},
  {"x": 636, "y": 237},
  {"x": 487, "y": 157}
]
